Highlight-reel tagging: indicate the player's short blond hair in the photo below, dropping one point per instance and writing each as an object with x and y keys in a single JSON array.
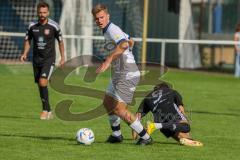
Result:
[{"x": 99, "y": 7}]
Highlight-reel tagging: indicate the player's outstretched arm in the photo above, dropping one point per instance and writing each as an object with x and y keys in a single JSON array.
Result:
[
  {"x": 181, "y": 108},
  {"x": 131, "y": 43},
  {"x": 118, "y": 51},
  {"x": 26, "y": 49},
  {"x": 236, "y": 38},
  {"x": 61, "y": 49}
]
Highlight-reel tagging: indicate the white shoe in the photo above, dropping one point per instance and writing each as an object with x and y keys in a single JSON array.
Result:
[
  {"x": 190, "y": 142},
  {"x": 50, "y": 115},
  {"x": 44, "y": 115}
]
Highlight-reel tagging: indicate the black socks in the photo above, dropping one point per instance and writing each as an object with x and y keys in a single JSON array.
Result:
[{"x": 44, "y": 98}]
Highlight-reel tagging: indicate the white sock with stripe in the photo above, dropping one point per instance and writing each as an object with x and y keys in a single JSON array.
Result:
[
  {"x": 115, "y": 125},
  {"x": 137, "y": 127}
]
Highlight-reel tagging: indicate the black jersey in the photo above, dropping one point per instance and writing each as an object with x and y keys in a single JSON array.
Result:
[
  {"x": 163, "y": 103},
  {"x": 43, "y": 37}
]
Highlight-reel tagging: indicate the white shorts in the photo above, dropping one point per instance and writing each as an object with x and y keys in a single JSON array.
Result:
[
  {"x": 113, "y": 93},
  {"x": 123, "y": 91}
]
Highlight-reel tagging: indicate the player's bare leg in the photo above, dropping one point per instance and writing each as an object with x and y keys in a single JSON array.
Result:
[
  {"x": 114, "y": 120},
  {"x": 119, "y": 110},
  {"x": 182, "y": 130},
  {"x": 186, "y": 139},
  {"x": 180, "y": 135}
]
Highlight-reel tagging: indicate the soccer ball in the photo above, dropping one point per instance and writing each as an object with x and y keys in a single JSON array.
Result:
[{"x": 85, "y": 136}]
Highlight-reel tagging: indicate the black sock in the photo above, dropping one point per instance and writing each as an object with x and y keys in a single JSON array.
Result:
[
  {"x": 44, "y": 98},
  {"x": 177, "y": 127}
]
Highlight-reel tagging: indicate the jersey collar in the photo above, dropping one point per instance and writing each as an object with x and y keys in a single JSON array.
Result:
[
  {"x": 43, "y": 24},
  {"x": 105, "y": 28}
]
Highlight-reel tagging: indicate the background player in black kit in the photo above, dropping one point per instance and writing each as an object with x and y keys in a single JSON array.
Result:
[
  {"x": 43, "y": 34},
  {"x": 167, "y": 108}
]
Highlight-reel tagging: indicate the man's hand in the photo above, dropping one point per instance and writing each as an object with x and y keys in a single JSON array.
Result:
[
  {"x": 104, "y": 66},
  {"x": 26, "y": 48},
  {"x": 181, "y": 108},
  {"x": 61, "y": 62},
  {"x": 23, "y": 58},
  {"x": 138, "y": 115}
]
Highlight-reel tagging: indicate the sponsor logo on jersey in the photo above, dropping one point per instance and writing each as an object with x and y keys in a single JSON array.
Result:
[
  {"x": 40, "y": 39},
  {"x": 35, "y": 30},
  {"x": 44, "y": 75},
  {"x": 46, "y": 31},
  {"x": 41, "y": 44},
  {"x": 117, "y": 36}
]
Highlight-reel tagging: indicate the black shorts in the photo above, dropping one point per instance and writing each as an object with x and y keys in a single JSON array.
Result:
[
  {"x": 44, "y": 71},
  {"x": 167, "y": 133},
  {"x": 170, "y": 115}
]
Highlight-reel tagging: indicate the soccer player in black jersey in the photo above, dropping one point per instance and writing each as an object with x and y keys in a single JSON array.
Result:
[
  {"x": 167, "y": 108},
  {"x": 43, "y": 34}
]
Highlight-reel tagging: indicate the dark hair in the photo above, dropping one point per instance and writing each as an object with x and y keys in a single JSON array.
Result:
[
  {"x": 238, "y": 27},
  {"x": 99, "y": 7},
  {"x": 42, "y": 5},
  {"x": 162, "y": 85}
]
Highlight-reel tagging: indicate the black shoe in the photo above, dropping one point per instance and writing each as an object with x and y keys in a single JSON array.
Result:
[
  {"x": 113, "y": 139},
  {"x": 144, "y": 142}
]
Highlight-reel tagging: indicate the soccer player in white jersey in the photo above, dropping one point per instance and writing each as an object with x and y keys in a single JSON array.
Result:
[{"x": 125, "y": 77}]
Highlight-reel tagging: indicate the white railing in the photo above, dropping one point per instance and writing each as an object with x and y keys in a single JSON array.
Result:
[{"x": 152, "y": 40}]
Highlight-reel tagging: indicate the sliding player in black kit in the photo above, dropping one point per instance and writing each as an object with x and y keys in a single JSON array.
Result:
[
  {"x": 169, "y": 117},
  {"x": 43, "y": 34}
]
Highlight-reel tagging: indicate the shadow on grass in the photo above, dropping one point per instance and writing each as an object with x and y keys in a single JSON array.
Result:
[
  {"x": 168, "y": 143},
  {"x": 217, "y": 114},
  {"x": 46, "y": 138},
  {"x": 157, "y": 142},
  {"x": 238, "y": 110},
  {"x": 125, "y": 141},
  {"x": 129, "y": 141},
  {"x": 16, "y": 117},
  {"x": 36, "y": 137}
]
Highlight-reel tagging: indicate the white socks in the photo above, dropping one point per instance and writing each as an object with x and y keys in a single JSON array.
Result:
[
  {"x": 115, "y": 125},
  {"x": 158, "y": 125},
  {"x": 137, "y": 126}
]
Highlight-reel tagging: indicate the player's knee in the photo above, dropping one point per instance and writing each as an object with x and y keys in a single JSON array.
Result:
[
  {"x": 43, "y": 82},
  {"x": 117, "y": 111},
  {"x": 127, "y": 116}
]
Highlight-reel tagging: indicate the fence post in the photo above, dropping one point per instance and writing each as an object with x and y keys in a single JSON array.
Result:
[{"x": 162, "y": 56}]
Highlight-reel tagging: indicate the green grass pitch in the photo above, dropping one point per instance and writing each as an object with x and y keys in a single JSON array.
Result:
[{"x": 212, "y": 102}]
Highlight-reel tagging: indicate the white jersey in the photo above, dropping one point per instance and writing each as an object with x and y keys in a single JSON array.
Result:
[
  {"x": 124, "y": 67},
  {"x": 237, "y": 35}
]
